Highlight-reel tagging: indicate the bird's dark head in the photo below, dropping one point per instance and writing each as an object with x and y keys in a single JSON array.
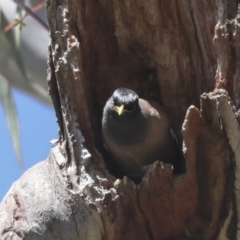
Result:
[
  {"x": 123, "y": 120},
  {"x": 124, "y": 101}
]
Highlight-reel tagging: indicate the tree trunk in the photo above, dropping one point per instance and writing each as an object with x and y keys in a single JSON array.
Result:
[{"x": 174, "y": 52}]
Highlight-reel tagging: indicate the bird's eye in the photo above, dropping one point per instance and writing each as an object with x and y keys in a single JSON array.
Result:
[
  {"x": 114, "y": 103},
  {"x": 130, "y": 107}
]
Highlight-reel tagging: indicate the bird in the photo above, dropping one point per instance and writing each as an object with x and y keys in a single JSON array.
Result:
[{"x": 136, "y": 133}]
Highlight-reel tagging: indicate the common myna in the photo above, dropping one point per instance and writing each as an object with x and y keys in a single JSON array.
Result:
[{"x": 136, "y": 133}]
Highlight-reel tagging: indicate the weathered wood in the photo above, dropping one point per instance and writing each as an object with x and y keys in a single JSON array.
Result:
[
  {"x": 164, "y": 51},
  {"x": 193, "y": 204}
]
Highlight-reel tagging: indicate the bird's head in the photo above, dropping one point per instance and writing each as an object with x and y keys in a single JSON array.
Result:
[
  {"x": 124, "y": 101},
  {"x": 123, "y": 120}
]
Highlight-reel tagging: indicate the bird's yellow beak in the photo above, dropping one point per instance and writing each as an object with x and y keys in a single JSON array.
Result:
[{"x": 120, "y": 110}]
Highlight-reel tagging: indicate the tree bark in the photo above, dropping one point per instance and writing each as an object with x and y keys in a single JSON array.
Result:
[{"x": 183, "y": 54}]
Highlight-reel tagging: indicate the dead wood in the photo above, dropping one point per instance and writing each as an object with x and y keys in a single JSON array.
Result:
[{"x": 164, "y": 51}]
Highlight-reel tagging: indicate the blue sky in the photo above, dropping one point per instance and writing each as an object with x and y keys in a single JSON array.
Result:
[
  {"x": 37, "y": 121},
  {"x": 37, "y": 127}
]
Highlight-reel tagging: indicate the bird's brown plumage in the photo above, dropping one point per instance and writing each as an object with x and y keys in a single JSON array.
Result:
[{"x": 142, "y": 141}]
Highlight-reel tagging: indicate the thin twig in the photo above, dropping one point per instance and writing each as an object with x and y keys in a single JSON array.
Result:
[
  {"x": 30, "y": 12},
  {"x": 20, "y": 20}
]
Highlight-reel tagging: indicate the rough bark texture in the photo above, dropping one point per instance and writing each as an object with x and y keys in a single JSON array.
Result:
[{"x": 165, "y": 51}]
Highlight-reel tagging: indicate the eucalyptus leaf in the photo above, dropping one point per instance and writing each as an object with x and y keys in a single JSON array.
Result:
[
  {"x": 13, "y": 42},
  {"x": 18, "y": 28},
  {"x": 7, "y": 101}
]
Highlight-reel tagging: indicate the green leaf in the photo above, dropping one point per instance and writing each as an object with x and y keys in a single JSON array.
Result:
[
  {"x": 9, "y": 108},
  {"x": 18, "y": 28},
  {"x": 13, "y": 42}
]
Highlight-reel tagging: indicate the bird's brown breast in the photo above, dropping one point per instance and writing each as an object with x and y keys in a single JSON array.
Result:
[{"x": 156, "y": 143}]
